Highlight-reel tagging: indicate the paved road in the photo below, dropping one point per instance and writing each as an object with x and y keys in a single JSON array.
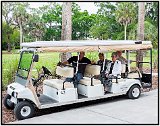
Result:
[{"x": 117, "y": 111}]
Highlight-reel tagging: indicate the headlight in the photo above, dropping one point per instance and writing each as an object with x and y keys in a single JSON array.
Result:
[{"x": 15, "y": 94}]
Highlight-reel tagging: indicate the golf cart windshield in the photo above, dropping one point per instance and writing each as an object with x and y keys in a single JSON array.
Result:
[{"x": 25, "y": 64}]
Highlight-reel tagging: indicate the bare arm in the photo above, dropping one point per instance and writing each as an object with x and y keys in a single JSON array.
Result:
[{"x": 65, "y": 62}]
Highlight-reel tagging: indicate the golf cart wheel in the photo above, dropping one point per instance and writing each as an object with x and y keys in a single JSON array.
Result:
[
  {"x": 24, "y": 110},
  {"x": 7, "y": 103},
  {"x": 134, "y": 92}
]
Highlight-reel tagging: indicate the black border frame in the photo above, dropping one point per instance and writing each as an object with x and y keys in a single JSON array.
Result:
[{"x": 81, "y": 1}]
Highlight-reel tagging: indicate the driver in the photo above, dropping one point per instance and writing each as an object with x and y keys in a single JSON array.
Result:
[{"x": 82, "y": 60}]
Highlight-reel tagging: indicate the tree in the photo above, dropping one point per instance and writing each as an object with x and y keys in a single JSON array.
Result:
[
  {"x": 13, "y": 39},
  {"x": 140, "y": 30},
  {"x": 105, "y": 25},
  {"x": 82, "y": 22},
  {"x": 7, "y": 9},
  {"x": 66, "y": 26},
  {"x": 150, "y": 33},
  {"x": 125, "y": 14},
  {"x": 21, "y": 17},
  {"x": 53, "y": 22},
  {"x": 152, "y": 12}
]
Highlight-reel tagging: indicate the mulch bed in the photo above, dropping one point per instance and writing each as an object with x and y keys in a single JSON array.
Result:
[{"x": 8, "y": 115}]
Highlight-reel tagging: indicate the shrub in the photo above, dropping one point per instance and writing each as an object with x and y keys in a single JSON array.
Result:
[{"x": 9, "y": 66}]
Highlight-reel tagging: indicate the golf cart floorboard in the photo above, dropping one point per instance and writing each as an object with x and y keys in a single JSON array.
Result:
[
  {"x": 46, "y": 100},
  {"x": 81, "y": 96}
]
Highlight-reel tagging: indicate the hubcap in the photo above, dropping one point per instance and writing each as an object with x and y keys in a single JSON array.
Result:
[
  {"x": 25, "y": 111},
  {"x": 135, "y": 92}
]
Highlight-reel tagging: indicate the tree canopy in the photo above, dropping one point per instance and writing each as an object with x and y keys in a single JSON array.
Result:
[{"x": 114, "y": 20}]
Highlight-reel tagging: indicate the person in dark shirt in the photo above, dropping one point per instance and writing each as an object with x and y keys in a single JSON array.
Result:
[
  {"x": 83, "y": 61},
  {"x": 101, "y": 61}
]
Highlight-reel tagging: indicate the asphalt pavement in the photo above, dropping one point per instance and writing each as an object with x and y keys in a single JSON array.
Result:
[{"x": 119, "y": 110}]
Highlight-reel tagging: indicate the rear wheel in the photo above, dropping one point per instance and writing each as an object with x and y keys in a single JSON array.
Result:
[
  {"x": 7, "y": 103},
  {"x": 134, "y": 92},
  {"x": 24, "y": 110}
]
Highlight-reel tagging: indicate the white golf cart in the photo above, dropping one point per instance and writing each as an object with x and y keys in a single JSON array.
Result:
[{"x": 23, "y": 98}]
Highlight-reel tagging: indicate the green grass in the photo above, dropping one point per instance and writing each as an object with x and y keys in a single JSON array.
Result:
[{"x": 50, "y": 60}]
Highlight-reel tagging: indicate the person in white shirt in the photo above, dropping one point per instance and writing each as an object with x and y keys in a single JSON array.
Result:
[{"x": 114, "y": 68}]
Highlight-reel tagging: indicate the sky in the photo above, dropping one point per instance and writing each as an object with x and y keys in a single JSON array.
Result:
[{"x": 89, "y": 6}]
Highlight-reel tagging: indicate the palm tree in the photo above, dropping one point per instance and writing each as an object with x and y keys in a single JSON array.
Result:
[
  {"x": 21, "y": 17},
  {"x": 66, "y": 26},
  {"x": 125, "y": 14}
]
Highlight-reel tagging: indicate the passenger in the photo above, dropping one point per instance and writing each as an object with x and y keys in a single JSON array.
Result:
[
  {"x": 123, "y": 61},
  {"x": 114, "y": 67},
  {"x": 101, "y": 61},
  {"x": 121, "y": 58},
  {"x": 81, "y": 67}
]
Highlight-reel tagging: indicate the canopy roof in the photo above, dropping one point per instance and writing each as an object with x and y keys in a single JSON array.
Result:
[{"x": 87, "y": 45}]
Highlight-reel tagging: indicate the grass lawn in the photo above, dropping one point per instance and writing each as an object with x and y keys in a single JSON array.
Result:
[{"x": 50, "y": 60}]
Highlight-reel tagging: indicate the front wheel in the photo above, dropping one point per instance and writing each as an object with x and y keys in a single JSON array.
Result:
[
  {"x": 134, "y": 92},
  {"x": 24, "y": 110},
  {"x": 7, "y": 103}
]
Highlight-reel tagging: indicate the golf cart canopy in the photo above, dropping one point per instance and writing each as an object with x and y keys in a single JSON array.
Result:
[{"x": 87, "y": 45}]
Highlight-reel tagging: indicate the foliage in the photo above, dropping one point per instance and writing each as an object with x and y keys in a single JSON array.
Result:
[
  {"x": 125, "y": 14},
  {"x": 13, "y": 37},
  {"x": 45, "y": 23},
  {"x": 150, "y": 33},
  {"x": 53, "y": 21},
  {"x": 152, "y": 12},
  {"x": 105, "y": 26},
  {"x": 9, "y": 67},
  {"x": 82, "y": 22}
]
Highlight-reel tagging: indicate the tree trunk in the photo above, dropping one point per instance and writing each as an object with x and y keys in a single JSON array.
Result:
[
  {"x": 9, "y": 44},
  {"x": 125, "y": 32},
  {"x": 66, "y": 26},
  {"x": 21, "y": 35},
  {"x": 140, "y": 31}
]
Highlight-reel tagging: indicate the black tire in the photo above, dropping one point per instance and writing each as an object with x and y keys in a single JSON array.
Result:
[
  {"x": 134, "y": 92},
  {"x": 24, "y": 110},
  {"x": 6, "y": 102}
]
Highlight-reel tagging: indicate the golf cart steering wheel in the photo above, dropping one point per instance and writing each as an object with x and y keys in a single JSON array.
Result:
[{"x": 46, "y": 72}]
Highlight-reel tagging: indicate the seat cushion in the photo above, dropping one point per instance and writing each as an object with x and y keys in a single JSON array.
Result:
[
  {"x": 134, "y": 75},
  {"x": 92, "y": 69},
  {"x": 65, "y": 71},
  {"x": 87, "y": 81},
  {"x": 58, "y": 84},
  {"x": 119, "y": 80}
]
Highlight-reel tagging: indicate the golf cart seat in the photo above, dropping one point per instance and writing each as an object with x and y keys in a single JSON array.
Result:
[
  {"x": 58, "y": 89},
  {"x": 135, "y": 74},
  {"x": 88, "y": 86},
  {"x": 87, "y": 81},
  {"x": 90, "y": 71},
  {"x": 58, "y": 84}
]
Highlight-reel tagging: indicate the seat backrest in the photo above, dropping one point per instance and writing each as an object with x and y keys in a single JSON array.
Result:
[
  {"x": 135, "y": 74},
  {"x": 92, "y": 69},
  {"x": 123, "y": 68},
  {"x": 65, "y": 71}
]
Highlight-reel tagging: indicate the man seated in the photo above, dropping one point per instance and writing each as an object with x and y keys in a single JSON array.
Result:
[
  {"x": 113, "y": 68},
  {"x": 101, "y": 61},
  {"x": 123, "y": 61},
  {"x": 83, "y": 61}
]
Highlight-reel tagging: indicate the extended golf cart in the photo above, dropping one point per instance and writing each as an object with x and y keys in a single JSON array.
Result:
[{"x": 23, "y": 98}]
